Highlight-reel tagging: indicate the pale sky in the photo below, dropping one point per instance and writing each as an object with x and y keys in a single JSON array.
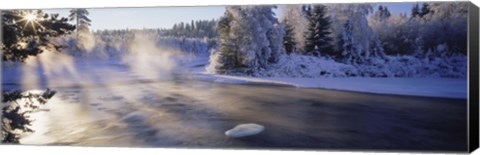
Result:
[{"x": 165, "y": 17}]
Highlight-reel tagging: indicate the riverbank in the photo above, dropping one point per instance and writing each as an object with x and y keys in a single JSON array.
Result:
[{"x": 428, "y": 87}]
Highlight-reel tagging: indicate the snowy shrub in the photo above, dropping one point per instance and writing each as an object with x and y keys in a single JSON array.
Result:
[
  {"x": 452, "y": 66},
  {"x": 295, "y": 65}
]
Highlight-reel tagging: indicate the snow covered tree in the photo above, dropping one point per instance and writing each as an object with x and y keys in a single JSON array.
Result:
[
  {"x": 393, "y": 32},
  {"x": 289, "y": 40},
  {"x": 317, "y": 39},
  {"x": 307, "y": 10},
  {"x": 250, "y": 40},
  {"x": 28, "y": 33},
  {"x": 194, "y": 29},
  {"x": 226, "y": 58},
  {"x": 418, "y": 12},
  {"x": 425, "y": 10},
  {"x": 346, "y": 42},
  {"x": 81, "y": 18},
  {"x": 362, "y": 33},
  {"x": 377, "y": 51},
  {"x": 401, "y": 35},
  {"x": 419, "y": 47},
  {"x": 381, "y": 14},
  {"x": 449, "y": 18},
  {"x": 415, "y": 11},
  {"x": 296, "y": 22},
  {"x": 85, "y": 41}
]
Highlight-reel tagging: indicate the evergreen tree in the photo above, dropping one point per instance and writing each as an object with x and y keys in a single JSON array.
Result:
[
  {"x": 192, "y": 25},
  {"x": 288, "y": 39},
  {"x": 81, "y": 18},
  {"x": 196, "y": 29},
  {"x": 415, "y": 11},
  {"x": 382, "y": 13},
  {"x": 377, "y": 51},
  {"x": 295, "y": 20},
  {"x": 228, "y": 57},
  {"x": 362, "y": 32},
  {"x": 15, "y": 117},
  {"x": 307, "y": 10},
  {"x": 425, "y": 10},
  {"x": 317, "y": 40},
  {"x": 84, "y": 41},
  {"x": 346, "y": 42},
  {"x": 250, "y": 41},
  {"x": 27, "y": 33}
]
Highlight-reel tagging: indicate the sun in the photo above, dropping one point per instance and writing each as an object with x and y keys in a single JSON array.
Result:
[{"x": 30, "y": 17}]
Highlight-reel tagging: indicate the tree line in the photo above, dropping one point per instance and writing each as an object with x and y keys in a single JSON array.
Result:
[{"x": 354, "y": 34}]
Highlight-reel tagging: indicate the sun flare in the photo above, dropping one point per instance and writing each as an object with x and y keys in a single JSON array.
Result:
[{"x": 30, "y": 17}]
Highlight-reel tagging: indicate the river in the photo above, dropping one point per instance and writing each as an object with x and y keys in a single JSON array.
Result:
[{"x": 188, "y": 113}]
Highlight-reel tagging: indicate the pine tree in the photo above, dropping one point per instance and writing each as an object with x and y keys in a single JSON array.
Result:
[
  {"x": 317, "y": 40},
  {"x": 84, "y": 39},
  {"x": 196, "y": 29},
  {"x": 425, "y": 10},
  {"x": 192, "y": 25},
  {"x": 346, "y": 42},
  {"x": 24, "y": 37},
  {"x": 226, "y": 57},
  {"x": 419, "y": 47},
  {"x": 381, "y": 14},
  {"x": 415, "y": 11},
  {"x": 307, "y": 10},
  {"x": 16, "y": 119},
  {"x": 295, "y": 18},
  {"x": 250, "y": 41},
  {"x": 377, "y": 51},
  {"x": 81, "y": 17},
  {"x": 288, "y": 39}
]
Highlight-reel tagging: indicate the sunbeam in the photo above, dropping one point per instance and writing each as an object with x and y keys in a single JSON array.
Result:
[{"x": 31, "y": 18}]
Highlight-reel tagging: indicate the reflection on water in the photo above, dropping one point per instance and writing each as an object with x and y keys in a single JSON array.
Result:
[{"x": 189, "y": 113}]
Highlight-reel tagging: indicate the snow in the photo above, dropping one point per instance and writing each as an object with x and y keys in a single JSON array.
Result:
[
  {"x": 431, "y": 87},
  {"x": 428, "y": 87},
  {"x": 244, "y": 130},
  {"x": 335, "y": 79}
]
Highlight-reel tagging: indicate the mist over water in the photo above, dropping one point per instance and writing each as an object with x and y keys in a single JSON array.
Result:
[
  {"x": 78, "y": 107},
  {"x": 143, "y": 58},
  {"x": 147, "y": 59}
]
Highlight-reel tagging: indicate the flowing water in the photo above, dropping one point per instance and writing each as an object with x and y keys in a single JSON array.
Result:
[
  {"x": 189, "y": 113},
  {"x": 185, "y": 112}
]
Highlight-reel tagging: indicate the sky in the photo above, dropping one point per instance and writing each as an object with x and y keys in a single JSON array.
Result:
[{"x": 165, "y": 17}]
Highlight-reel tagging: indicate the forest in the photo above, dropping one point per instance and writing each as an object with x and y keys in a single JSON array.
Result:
[
  {"x": 343, "y": 40},
  {"x": 331, "y": 40},
  {"x": 306, "y": 43}
]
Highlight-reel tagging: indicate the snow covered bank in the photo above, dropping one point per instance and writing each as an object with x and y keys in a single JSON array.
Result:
[
  {"x": 336, "y": 79},
  {"x": 430, "y": 87}
]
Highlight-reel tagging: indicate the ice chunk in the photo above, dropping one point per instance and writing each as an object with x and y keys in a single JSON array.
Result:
[{"x": 244, "y": 130}]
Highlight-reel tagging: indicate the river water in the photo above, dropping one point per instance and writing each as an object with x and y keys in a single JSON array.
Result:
[
  {"x": 109, "y": 105},
  {"x": 188, "y": 113}
]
